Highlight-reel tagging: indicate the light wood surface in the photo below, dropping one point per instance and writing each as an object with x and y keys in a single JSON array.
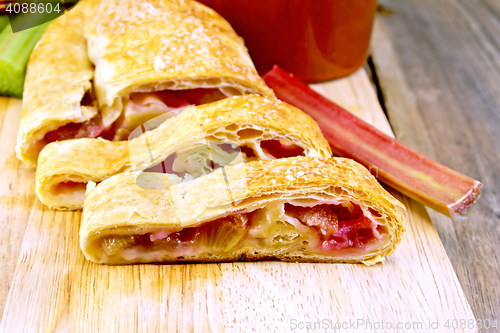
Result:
[
  {"x": 54, "y": 289},
  {"x": 17, "y": 195},
  {"x": 438, "y": 65}
]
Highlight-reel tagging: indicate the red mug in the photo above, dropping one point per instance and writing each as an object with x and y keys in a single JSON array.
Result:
[{"x": 316, "y": 40}]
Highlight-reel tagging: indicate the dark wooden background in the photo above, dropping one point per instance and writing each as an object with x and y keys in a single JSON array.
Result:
[{"x": 437, "y": 66}]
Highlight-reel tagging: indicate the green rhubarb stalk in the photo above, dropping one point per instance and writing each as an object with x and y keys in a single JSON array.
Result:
[
  {"x": 15, "y": 50},
  {"x": 4, "y": 20}
]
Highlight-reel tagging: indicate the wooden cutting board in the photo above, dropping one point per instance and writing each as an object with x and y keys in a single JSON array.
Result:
[{"x": 52, "y": 288}]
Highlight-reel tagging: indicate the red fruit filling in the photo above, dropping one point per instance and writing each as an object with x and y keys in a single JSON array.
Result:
[
  {"x": 221, "y": 234},
  {"x": 281, "y": 148},
  {"x": 339, "y": 226},
  {"x": 332, "y": 228},
  {"x": 140, "y": 108}
]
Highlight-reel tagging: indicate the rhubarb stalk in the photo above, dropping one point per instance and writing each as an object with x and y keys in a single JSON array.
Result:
[
  {"x": 15, "y": 50},
  {"x": 407, "y": 171}
]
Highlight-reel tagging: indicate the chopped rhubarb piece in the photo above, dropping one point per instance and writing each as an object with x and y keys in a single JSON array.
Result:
[
  {"x": 355, "y": 233},
  {"x": 180, "y": 98},
  {"x": 347, "y": 211},
  {"x": 350, "y": 226},
  {"x": 89, "y": 129},
  {"x": 340, "y": 227},
  {"x": 171, "y": 98},
  {"x": 409, "y": 172},
  {"x": 320, "y": 217},
  {"x": 281, "y": 148},
  {"x": 162, "y": 234}
]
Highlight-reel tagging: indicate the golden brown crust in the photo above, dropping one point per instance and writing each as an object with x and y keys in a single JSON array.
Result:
[
  {"x": 239, "y": 120},
  {"x": 136, "y": 46},
  {"x": 118, "y": 206},
  {"x": 58, "y": 75},
  {"x": 150, "y": 45}
]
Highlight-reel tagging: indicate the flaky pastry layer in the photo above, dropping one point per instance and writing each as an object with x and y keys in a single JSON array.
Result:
[
  {"x": 58, "y": 75},
  {"x": 66, "y": 166},
  {"x": 151, "y": 45},
  {"x": 118, "y": 207},
  {"x": 136, "y": 47}
]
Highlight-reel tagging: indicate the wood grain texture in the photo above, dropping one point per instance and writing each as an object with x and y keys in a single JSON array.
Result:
[
  {"x": 438, "y": 64},
  {"x": 17, "y": 195},
  {"x": 54, "y": 289}
]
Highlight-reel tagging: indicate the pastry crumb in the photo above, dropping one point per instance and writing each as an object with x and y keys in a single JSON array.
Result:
[{"x": 159, "y": 64}]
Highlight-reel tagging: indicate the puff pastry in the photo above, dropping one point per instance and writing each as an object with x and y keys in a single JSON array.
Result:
[
  {"x": 58, "y": 76},
  {"x": 294, "y": 209},
  {"x": 149, "y": 55},
  {"x": 251, "y": 126}
]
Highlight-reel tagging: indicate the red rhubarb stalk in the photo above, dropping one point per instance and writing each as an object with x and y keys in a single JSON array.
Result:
[{"x": 407, "y": 171}]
